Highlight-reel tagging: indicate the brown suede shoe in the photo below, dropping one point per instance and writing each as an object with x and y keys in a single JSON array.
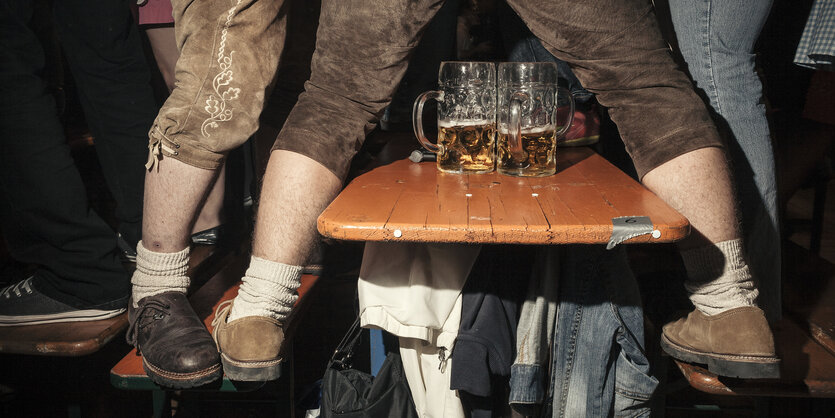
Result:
[
  {"x": 734, "y": 343},
  {"x": 251, "y": 348}
]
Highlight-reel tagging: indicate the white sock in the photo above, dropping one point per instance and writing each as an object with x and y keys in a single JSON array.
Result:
[
  {"x": 159, "y": 272},
  {"x": 268, "y": 289},
  {"x": 718, "y": 278}
]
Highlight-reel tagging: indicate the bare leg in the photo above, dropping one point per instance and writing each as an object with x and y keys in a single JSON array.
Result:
[
  {"x": 725, "y": 331},
  {"x": 174, "y": 192},
  {"x": 211, "y": 215},
  {"x": 698, "y": 185},
  {"x": 296, "y": 190}
]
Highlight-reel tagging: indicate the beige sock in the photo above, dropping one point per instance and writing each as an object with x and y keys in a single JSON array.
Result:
[
  {"x": 268, "y": 289},
  {"x": 159, "y": 272},
  {"x": 718, "y": 278}
]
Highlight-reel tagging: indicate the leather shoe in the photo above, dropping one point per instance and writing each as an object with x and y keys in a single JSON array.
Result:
[{"x": 177, "y": 349}]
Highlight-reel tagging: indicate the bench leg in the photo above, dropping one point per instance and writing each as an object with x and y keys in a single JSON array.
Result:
[
  {"x": 818, "y": 211},
  {"x": 159, "y": 398}
]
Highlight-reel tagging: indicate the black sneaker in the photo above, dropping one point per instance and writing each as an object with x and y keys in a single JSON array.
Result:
[{"x": 22, "y": 304}]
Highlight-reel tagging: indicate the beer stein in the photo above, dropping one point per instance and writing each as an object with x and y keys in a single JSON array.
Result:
[
  {"x": 466, "y": 117},
  {"x": 527, "y": 118}
]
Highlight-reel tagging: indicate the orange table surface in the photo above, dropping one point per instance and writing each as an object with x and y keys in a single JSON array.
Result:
[{"x": 414, "y": 202}]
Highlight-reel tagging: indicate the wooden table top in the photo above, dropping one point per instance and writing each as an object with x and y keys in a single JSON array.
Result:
[{"x": 406, "y": 201}]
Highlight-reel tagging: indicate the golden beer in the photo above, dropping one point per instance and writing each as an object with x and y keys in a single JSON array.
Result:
[
  {"x": 466, "y": 147},
  {"x": 536, "y": 158}
]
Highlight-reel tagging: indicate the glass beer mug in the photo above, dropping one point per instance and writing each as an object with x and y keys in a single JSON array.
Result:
[
  {"x": 466, "y": 117},
  {"x": 527, "y": 120}
]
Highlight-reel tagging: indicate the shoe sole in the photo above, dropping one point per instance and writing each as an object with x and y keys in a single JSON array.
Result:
[
  {"x": 181, "y": 380},
  {"x": 251, "y": 371},
  {"x": 84, "y": 315},
  {"x": 743, "y": 367}
]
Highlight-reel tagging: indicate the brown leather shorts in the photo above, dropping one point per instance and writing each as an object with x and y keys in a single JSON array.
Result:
[
  {"x": 362, "y": 51},
  {"x": 229, "y": 52}
]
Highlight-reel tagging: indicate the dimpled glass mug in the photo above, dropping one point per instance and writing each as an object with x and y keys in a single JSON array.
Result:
[
  {"x": 527, "y": 118},
  {"x": 466, "y": 117}
]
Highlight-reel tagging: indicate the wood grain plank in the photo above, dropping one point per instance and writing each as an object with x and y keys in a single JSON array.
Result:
[
  {"x": 417, "y": 203},
  {"x": 68, "y": 339}
]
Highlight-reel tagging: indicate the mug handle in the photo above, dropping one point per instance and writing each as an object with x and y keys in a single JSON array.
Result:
[
  {"x": 417, "y": 118},
  {"x": 565, "y": 127},
  {"x": 514, "y": 128}
]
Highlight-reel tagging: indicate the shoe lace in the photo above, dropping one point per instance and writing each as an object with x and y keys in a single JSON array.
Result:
[
  {"x": 25, "y": 285},
  {"x": 221, "y": 312},
  {"x": 160, "y": 309}
]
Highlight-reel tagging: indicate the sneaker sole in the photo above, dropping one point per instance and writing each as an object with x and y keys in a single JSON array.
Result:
[
  {"x": 743, "y": 367},
  {"x": 73, "y": 316},
  {"x": 181, "y": 380},
  {"x": 251, "y": 371}
]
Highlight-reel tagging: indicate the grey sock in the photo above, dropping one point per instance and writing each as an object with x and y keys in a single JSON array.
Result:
[
  {"x": 159, "y": 272},
  {"x": 718, "y": 278},
  {"x": 268, "y": 289}
]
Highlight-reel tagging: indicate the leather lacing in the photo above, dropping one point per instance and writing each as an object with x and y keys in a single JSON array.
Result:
[
  {"x": 221, "y": 314},
  {"x": 154, "y": 305}
]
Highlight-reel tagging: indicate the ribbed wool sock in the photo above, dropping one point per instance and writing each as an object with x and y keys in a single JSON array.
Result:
[
  {"x": 268, "y": 289},
  {"x": 718, "y": 278},
  {"x": 159, "y": 272}
]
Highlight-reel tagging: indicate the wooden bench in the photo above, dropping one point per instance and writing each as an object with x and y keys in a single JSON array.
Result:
[
  {"x": 807, "y": 370},
  {"x": 73, "y": 339},
  {"x": 804, "y": 337},
  {"x": 809, "y": 293}
]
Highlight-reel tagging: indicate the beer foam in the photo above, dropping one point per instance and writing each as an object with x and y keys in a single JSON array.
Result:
[
  {"x": 455, "y": 123},
  {"x": 503, "y": 130}
]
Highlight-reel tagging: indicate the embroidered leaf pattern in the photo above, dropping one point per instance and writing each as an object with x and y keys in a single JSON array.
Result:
[{"x": 216, "y": 103}]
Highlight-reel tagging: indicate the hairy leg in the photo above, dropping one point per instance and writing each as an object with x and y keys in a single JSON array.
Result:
[
  {"x": 295, "y": 191},
  {"x": 698, "y": 184},
  {"x": 174, "y": 192}
]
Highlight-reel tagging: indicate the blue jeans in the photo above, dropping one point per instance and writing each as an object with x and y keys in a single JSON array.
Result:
[
  {"x": 530, "y": 49},
  {"x": 718, "y": 48},
  {"x": 599, "y": 364}
]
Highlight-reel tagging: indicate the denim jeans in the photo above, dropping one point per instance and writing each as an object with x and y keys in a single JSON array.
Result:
[
  {"x": 718, "y": 48},
  {"x": 599, "y": 366},
  {"x": 46, "y": 218}
]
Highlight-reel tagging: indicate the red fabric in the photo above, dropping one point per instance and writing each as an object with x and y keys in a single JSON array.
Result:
[{"x": 155, "y": 12}]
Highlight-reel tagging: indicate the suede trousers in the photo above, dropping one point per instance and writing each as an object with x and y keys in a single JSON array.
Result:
[{"x": 231, "y": 49}]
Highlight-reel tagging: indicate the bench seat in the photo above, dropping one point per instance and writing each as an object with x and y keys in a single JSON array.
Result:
[{"x": 71, "y": 339}]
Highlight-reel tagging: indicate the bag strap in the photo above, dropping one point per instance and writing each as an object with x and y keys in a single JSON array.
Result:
[{"x": 344, "y": 352}]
